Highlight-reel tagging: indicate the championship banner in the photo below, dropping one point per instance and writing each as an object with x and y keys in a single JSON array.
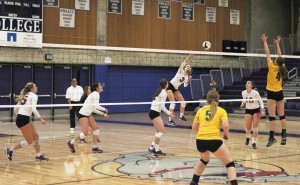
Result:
[
  {"x": 67, "y": 18},
  {"x": 114, "y": 6},
  {"x": 187, "y": 12},
  {"x": 211, "y": 14},
  {"x": 21, "y": 23},
  {"x": 223, "y": 3},
  {"x": 164, "y": 9},
  {"x": 201, "y": 2},
  {"x": 82, "y": 4},
  {"x": 138, "y": 7},
  {"x": 52, "y": 3},
  {"x": 234, "y": 17}
]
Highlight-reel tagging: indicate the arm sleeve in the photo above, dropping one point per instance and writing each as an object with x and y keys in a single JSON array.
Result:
[
  {"x": 98, "y": 107},
  {"x": 162, "y": 99},
  {"x": 261, "y": 103},
  {"x": 244, "y": 97},
  {"x": 99, "y": 112},
  {"x": 33, "y": 108},
  {"x": 68, "y": 94},
  {"x": 182, "y": 65}
]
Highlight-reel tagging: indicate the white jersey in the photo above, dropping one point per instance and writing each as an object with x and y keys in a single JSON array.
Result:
[
  {"x": 30, "y": 100},
  {"x": 91, "y": 104},
  {"x": 158, "y": 104},
  {"x": 252, "y": 104},
  {"x": 74, "y": 93},
  {"x": 180, "y": 77}
]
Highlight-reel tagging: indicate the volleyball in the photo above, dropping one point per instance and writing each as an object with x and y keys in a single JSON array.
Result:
[{"x": 206, "y": 45}]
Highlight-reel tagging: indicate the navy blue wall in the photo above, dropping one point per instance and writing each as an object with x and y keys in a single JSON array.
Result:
[{"x": 136, "y": 84}]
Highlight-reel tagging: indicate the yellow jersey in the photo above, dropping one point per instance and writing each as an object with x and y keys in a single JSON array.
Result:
[
  {"x": 209, "y": 130},
  {"x": 274, "y": 79}
]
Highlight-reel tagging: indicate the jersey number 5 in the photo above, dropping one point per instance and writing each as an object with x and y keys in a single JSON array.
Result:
[
  {"x": 278, "y": 76},
  {"x": 207, "y": 115}
]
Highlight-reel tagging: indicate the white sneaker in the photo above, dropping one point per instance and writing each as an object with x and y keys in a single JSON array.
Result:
[{"x": 72, "y": 130}]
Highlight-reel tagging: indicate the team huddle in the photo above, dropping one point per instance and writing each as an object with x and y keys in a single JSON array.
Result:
[{"x": 207, "y": 123}]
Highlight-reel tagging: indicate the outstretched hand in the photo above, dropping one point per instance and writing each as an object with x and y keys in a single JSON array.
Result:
[
  {"x": 264, "y": 37},
  {"x": 277, "y": 40},
  {"x": 188, "y": 58}
]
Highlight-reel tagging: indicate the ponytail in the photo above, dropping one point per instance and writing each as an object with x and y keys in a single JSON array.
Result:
[
  {"x": 213, "y": 100},
  {"x": 162, "y": 85},
  {"x": 282, "y": 69},
  {"x": 24, "y": 91}
]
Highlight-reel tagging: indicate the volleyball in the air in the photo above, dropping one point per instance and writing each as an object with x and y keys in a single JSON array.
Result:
[{"x": 206, "y": 45}]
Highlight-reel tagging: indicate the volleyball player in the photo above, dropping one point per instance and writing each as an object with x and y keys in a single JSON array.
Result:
[
  {"x": 86, "y": 118},
  {"x": 158, "y": 105},
  {"x": 29, "y": 99},
  {"x": 207, "y": 123},
  {"x": 183, "y": 76},
  {"x": 275, "y": 99},
  {"x": 254, "y": 106}
]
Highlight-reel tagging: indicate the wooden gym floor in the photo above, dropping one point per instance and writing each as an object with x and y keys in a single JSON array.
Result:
[{"x": 125, "y": 139}]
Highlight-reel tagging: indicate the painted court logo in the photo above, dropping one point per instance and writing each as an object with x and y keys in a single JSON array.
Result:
[{"x": 179, "y": 168}]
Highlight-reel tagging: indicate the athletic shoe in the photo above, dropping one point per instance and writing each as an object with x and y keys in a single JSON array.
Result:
[
  {"x": 8, "y": 153},
  {"x": 283, "y": 141},
  {"x": 71, "y": 146},
  {"x": 272, "y": 140},
  {"x": 158, "y": 153},
  {"x": 72, "y": 130},
  {"x": 82, "y": 140},
  {"x": 97, "y": 150},
  {"x": 172, "y": 123},
  {"x": 247, "y": 141},
  {"x": 182, "y": 118},
  {"x": 98, "y": 140},
  {"x": 41, "y": 158},
  {"x": 150, "y": 149},
  {"x": 193, "y": 183},
  {"x": 254, "y": 145}
]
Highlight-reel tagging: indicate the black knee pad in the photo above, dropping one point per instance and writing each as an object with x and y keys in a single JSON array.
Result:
[
  {"x": 271, "y": 118},
  {"x": 282, "y": 117},
  {"x": 231, "y": 164},
  {"x": 204, "y": 162}
]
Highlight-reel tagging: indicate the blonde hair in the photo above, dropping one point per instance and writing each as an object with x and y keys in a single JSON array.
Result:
[
  {"x": 213, "y": 99},
  {"x": 25, "y": 90}
]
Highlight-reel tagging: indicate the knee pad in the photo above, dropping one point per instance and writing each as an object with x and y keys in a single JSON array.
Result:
[
  {"x": 36, "y": 142},
  {"x": 231, "y": 164},
  {"x": 159, "y": 135},
  {"x": 24, "y": 143},
  {"x": 81, "y": 135},
  {"x": 204, "y": 162},
  {"x": 183, "y": 104},
  {"x": 255, "y": 129},
  {"x": 172, "y": 106},
  {"x": 282, "y": 117},
  {"x": 96, "y": 132},
  {"x": 271, "y": 118}
]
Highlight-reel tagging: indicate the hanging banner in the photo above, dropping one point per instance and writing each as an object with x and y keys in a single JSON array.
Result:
[
  {"x": 234, "y": 17},
  {"x": 137, "y": 7},
  {"x": 21, "y": 23},
  {"x": 223, "y": 3},
  {"x": 187, "y": 12},
  {"x": 211, "y": 14},
  {"x": 201, "y": 2},
  {"x": 67, "y": 18},
  {"x": 114, "y": 6},
  {"x": 82, "y": 4},
  {"x": 177, "y": 0},
  {"x": 53, "y": 3},
  {"x": 164, "y": 9}
]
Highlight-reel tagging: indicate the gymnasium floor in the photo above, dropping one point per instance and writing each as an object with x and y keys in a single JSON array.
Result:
[{"x": 125, "y": 139}]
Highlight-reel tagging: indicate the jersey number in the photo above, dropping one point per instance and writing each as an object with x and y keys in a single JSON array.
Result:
[
  {"x": 207, "y": 115},
  {"x": 278, "y": 76},
  {"x": 24, "y": 100},
  {"x": 249, "y": 101},
  {"x": 181, "y": 80}
]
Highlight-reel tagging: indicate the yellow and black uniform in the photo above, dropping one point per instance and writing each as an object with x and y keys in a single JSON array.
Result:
[
  {"x": 274, "y": 82},
  {"x": 209, "y": 136}
]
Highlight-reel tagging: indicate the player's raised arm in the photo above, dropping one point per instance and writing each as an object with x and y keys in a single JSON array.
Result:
[
  {"x": 277, "y": 42},
  {"x": 264, "y": 39}
]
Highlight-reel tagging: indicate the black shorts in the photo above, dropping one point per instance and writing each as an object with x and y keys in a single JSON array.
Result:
[
  {"x": 153, "y": 114},
  {"x": 252, "y": 111},
  {"x": 210, "y": 145},
  {"x": 22, "y": 120},
  {"x": 82, "y": 116},
  {"x": 278, "y": 96},
  {"x": 171, "y": 87}
]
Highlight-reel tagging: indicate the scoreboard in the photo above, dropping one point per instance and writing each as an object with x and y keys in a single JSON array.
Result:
[{"x": 21, "y": 23}]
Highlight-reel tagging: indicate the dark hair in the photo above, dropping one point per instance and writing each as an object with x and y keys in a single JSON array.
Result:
[
  {"x": 86, "y": 88},
  {"x": 94, "y": 86},
  {"x": 252, "y": 83},
  {"x": 162, "y": 85},
  {"x": 282, "y": 69},
  {"x": 25, "y": 90},
  {"x": 213, "y": 99}
]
